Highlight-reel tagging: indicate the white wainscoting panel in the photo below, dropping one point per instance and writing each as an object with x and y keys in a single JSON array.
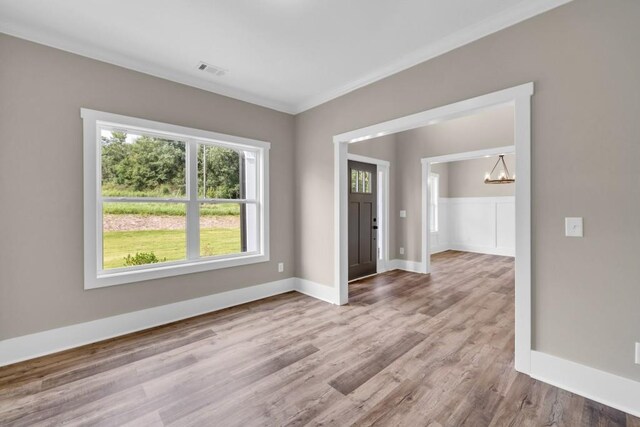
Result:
[
  {"x": 476, "y": 224},
  {"x": 506, "y": 225}
]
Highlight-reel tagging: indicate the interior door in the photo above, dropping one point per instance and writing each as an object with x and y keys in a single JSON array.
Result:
[{"x": 363, "y": 225}]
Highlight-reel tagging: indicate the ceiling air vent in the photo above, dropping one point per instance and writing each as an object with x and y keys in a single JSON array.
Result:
[{"x": 212, "y": 69}]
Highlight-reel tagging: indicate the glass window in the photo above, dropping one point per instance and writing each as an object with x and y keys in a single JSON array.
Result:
[
  {"x": 137, "y": 234},
  {"x": 434, "y": 186},
  {"x": 141, "y": 165},
  {"x": 169, "y": 200},
  {"x": 360, "y": 181},
  {"x": 219, "y": 172},
  {"x": 222, "y": 229}
]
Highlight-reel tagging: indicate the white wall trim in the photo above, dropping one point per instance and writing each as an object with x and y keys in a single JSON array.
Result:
[
  {"x": 135, "y": 64},
  {"x": 438, "y": 114},
  {"x": 505, "y": 19},
  {"x": 367, "y": 159},
  {"x": 26, "y": 347},
  {"x": 509, "y": 17},
  {"x": 406, "y": 265},
  {"x": 441, "y": 248},
  {"x": 30, "y": 346},
  {"x": 520, "y": 98},
  {"x": 609, "y": 389},
  {"x": 487, "y": 199},
  {"x": 470, "y": 155},
  {"x": 383, "y": 217},
  {"x": 489, "y": 250},
  {"x": 315, "y": 290}
]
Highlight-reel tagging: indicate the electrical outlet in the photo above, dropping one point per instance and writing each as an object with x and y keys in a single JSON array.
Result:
[
  {"x": 403, "y": 214},
  {"x": 638, "y": 353},
  {"x": 280, "y": 267},
  {"x": 401, "y": 251}
]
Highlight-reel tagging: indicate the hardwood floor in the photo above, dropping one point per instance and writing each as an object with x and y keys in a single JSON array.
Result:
[{"x": 408, "y": 350}]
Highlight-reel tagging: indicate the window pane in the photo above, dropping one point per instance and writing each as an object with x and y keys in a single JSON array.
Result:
[
  {"x": 221, "y": 229},
  {"x": 434, "y": 185},
  {"x": 219, "y": 172},
  {"x": 354, "y": 181},
  {"x": 143, "y": 233},
  {"x": 361, "y": 181},
  {"x": 141, "y": 165},
  {"x": 367, "y": 182}
]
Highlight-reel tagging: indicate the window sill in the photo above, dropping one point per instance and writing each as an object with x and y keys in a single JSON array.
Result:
[{"x": 121, "y": 277}]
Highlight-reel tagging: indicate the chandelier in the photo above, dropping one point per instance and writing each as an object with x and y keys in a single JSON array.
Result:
[{"x": 503, "y": 177}]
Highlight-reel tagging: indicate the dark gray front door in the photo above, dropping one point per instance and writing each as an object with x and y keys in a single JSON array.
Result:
[{"x": 363, "y": 225}]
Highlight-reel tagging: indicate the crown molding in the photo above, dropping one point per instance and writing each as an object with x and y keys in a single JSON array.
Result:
[
  {"x": 508, "y": 18},
  {"x": 512, "y": 16},
  {"x": 114, "y": 58}
]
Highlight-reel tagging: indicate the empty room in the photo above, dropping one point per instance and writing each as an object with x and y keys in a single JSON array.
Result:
[{"x": 268, "y": 213}]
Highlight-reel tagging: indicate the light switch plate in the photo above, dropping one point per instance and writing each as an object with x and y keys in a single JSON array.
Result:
[
  {"x": 573, "y": 227},
  {"x": 403, "y": 214}
]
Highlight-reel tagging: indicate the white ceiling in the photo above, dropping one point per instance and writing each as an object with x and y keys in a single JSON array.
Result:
[{"x": 289, "y": 55}]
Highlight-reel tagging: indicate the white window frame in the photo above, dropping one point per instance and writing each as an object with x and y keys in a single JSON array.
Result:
[
  {"x": 434, "y": 182},
  {"x": 94, "y": 275}
]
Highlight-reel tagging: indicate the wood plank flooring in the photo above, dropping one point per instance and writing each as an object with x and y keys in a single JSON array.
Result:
[{"x": 409, "y": 350}]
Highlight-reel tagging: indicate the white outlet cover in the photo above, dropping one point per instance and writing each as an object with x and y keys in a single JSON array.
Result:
[
  {"x": 280, "y": 267},
  {"x": 573, "y": 227},
  {"x": 638, "y": 353},
  {"x": 401, "y": 251},
  {"x": 403, "y": 214}
]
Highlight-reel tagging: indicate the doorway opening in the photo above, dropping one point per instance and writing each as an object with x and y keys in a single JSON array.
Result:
[
  {"x": 519, "y": 98},
  {"x": 466, "y": 217},
  {"x": 369, "y": 238},
  {"x": 363, "y": 219}
]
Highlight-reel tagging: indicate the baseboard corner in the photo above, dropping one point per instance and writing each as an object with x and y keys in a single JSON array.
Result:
[
  {"x": 609, "y": 389},
  {"x": 406, "y": 265},
  {"x": 315, "y": 290}
]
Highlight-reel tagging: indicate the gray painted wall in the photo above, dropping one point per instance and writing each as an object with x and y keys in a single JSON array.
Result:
[
  {"x": 584, "y": 60},
  {"x": 466, "y": 178},
  {"x": 41, "y": 263}
]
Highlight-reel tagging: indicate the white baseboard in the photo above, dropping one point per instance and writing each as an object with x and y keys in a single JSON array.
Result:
[
  {"x": 483, "y": 249},
  {"x": 406, "y": 265},
  {"x": 609, "y": 389},
  {"x": 438, "y": 249},
  {"x": 26, "y": 347},
  {"x": 316, "y": 290},
  {"x": 51, "y": 341}
]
